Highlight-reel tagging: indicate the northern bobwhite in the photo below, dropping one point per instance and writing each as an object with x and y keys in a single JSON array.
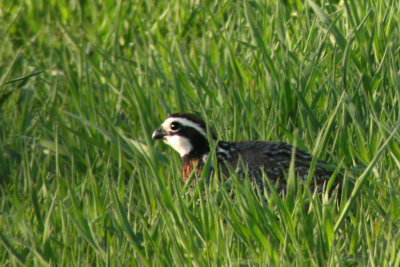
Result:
[{"x": 187, "y": 134}]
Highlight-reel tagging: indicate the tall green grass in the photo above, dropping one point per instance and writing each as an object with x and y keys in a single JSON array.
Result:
[{"x": 83, "y": 84}]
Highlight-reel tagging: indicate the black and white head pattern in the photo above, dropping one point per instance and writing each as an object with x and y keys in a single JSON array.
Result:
[{"x": 186, "y": 133}]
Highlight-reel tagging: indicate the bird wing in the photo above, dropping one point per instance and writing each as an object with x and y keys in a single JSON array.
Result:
[{"x": 273, "y": 158}]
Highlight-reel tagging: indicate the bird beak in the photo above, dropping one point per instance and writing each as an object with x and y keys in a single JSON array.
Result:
[{"x": 159, "y": 134}]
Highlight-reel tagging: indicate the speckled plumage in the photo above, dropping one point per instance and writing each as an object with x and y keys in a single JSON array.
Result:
[{"x": 253, "y": 157}]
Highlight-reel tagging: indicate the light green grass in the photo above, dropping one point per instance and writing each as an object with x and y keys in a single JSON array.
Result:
[{"x": 83, "y": 84}]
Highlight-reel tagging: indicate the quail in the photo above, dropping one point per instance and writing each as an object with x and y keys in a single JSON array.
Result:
[{"x": 187, "y": 134}]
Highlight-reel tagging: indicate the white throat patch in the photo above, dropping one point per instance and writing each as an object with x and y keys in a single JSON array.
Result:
[{"x": 179, "y": 143}]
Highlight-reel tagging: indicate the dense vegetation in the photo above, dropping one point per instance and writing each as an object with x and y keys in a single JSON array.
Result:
[{"x": 84, "y": 83}]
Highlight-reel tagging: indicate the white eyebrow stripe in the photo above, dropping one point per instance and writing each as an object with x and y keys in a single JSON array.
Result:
[{"x": 184, "y": 122}]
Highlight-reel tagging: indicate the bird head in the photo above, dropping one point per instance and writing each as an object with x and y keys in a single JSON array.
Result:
[{"x": 186, "y": 133}]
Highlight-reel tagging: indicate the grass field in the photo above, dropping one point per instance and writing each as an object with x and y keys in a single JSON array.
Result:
[{"x": 84, "y": 83}]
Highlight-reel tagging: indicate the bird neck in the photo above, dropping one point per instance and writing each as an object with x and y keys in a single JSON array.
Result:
[
  {"x": 196, "y": 158},
  {"x": 200, "y": 148}
]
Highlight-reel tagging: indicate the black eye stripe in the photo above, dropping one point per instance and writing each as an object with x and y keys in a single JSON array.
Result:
[{"x": 175, "y": 126}]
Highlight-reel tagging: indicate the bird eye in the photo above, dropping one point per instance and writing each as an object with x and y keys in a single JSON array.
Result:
[{"x": 175, "y": 126}]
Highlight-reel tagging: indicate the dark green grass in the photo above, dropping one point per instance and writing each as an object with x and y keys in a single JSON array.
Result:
[{"x": 83, "y": 85}]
